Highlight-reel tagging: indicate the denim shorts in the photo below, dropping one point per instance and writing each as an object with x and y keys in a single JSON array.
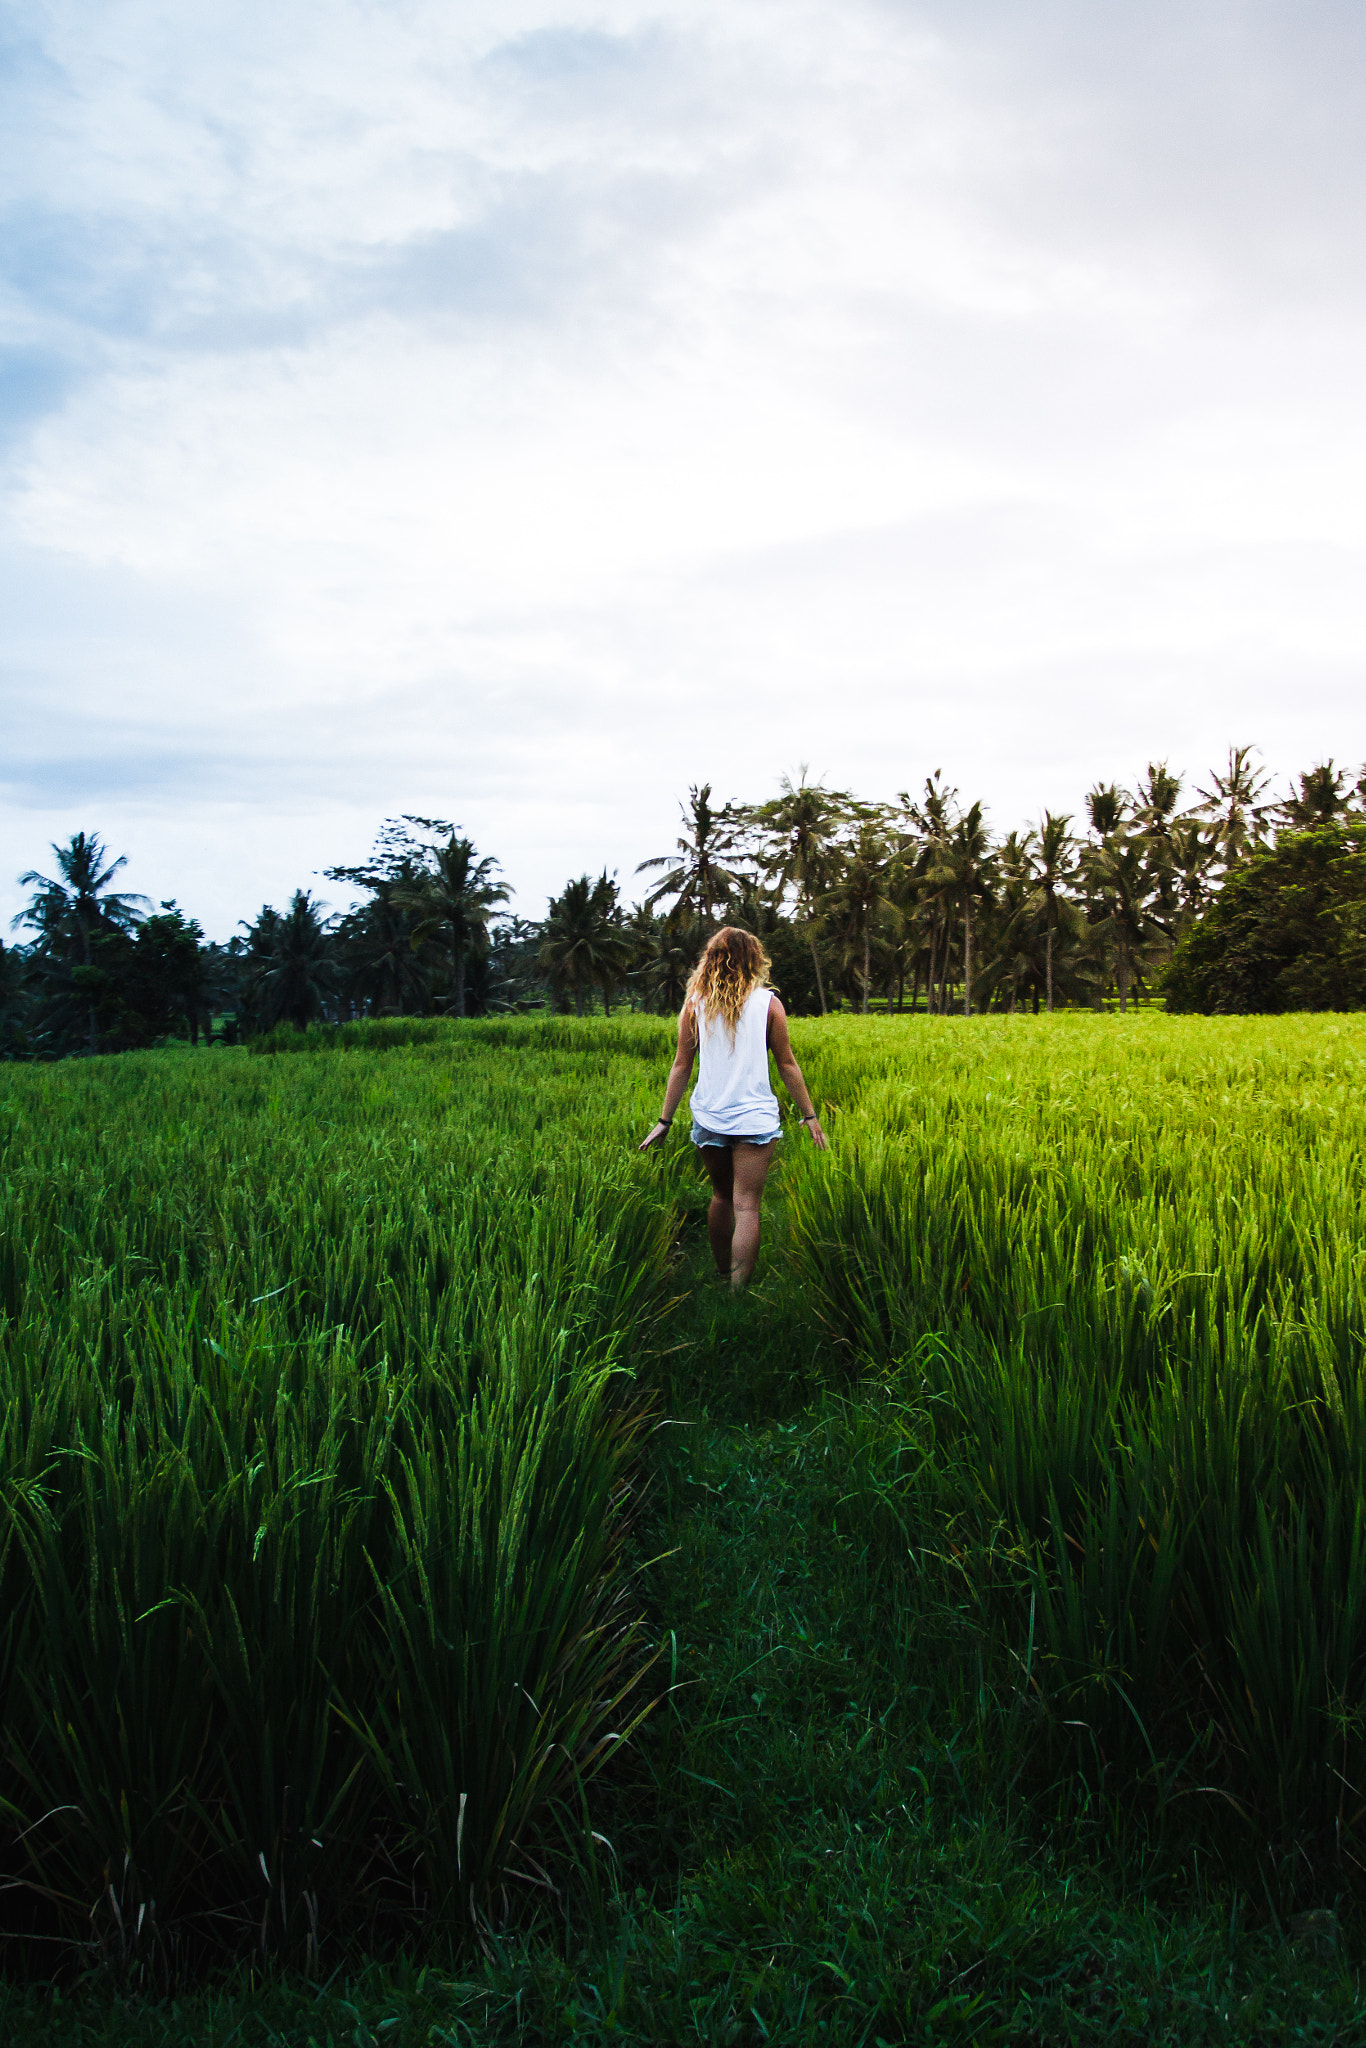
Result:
[{"x": 701, "y": 1136}]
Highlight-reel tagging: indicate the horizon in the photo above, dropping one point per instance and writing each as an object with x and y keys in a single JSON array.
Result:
[{"x": 633, "y": 887}]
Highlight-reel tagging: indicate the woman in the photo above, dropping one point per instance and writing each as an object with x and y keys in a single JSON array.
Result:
[{"x": 734, "y": 1019}]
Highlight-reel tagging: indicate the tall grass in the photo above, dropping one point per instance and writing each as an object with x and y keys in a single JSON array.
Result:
[
  {"x": 1122, "y": 1268},
  {"x": 318, "y": 1442},
  {"x": 324, "y": 1386}
]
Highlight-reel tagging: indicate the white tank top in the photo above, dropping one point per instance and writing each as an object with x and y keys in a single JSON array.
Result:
[{"x": 733, "y": 1096}]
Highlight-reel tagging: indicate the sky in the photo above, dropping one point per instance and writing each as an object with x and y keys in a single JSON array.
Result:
[{"x": 515, "y": 413}]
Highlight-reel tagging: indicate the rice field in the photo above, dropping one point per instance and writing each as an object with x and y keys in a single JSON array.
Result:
[
  {"x": 1118, "y": 1274},
  {"x": 332, "y": 1377},
  {"x": 320, "y": 1434}
]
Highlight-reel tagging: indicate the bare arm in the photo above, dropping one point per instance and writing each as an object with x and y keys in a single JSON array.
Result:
[
  {"x": 784, "y": 1059},
  {"x": 679, "y": 1074}
]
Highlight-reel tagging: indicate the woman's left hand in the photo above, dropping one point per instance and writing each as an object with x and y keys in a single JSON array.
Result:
[{"x": 656, "y": 1136}]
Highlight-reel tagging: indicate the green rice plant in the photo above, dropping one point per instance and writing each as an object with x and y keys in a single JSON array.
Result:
[
  {"x": 1124, "y": 1265},
  {"x": 318, "y": 1439},
  {"x": 510, "y": 1651}
]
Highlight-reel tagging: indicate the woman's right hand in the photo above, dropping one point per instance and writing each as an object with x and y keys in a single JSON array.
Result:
[
  {"x": 655, "y": 1137},
  {"x": 816, "y": 1134}
]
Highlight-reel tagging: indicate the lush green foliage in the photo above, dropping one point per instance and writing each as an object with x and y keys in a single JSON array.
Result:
[
  {"x": 1287, "y": 932},
  {"x": 1050, "y": 1377},
  {"x": 314, "y": 1454},
  {"x": 860, "y": 905},
  {"x": 1119, "y": 1278}
]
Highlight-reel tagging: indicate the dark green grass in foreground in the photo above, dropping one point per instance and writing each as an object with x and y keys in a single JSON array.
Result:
[{"x": 823, "y": 1836}]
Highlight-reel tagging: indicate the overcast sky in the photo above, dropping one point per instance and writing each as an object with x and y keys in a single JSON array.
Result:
[{"x": 515, "y": 412}]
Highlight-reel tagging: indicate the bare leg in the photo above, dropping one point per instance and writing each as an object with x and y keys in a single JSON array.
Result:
[
  {"x": 750, "y": 1171},
  {"x": 721, "y": 1214}
]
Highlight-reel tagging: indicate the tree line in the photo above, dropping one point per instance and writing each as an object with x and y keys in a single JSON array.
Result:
[{"x": 904, "y": 905}]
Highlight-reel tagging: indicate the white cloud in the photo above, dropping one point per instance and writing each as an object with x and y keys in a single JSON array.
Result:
[{"x": 519, "y": 414}]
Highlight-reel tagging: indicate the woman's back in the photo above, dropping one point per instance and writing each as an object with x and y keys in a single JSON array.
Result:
[{"x": 733, "y": 1096}]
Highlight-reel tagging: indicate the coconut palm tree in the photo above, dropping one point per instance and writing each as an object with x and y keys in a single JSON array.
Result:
[
  {"x": 864, "y": 891},
  {"x": 678, "y": 941},
  {"x": 1323, "y": 793},
  {"x": 961, "y": 863},
  {"x": 797, "y": 831},
  {"x": 1122, "y": 882},
  {"x": 584, "y": 943},
  {"x": 70, "y": 911},
  {"x": 1235, "y": 802},
  {"x": 451, "y": 901},
  {"x": 384, "y": 974},
  {"x": 1195, "y": 850},
  {"x": 1054, "y": 867},
  {"x": 297, "y": 974},
  {"x": 700, "y": 878},
  {"x": 1107, "y": 806},
  {"x": 929, "y": 816},
  {"x": 1011, "y": 934}
]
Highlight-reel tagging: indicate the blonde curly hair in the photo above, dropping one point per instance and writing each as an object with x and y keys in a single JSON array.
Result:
[{"x": 733, "y": 964}]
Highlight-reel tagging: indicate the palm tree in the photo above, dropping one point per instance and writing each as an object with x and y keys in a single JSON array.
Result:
[
  {"x": 1235, "y": 801},
  {"x": 1107, "y": 806},
  {"x": 383, "y": 971},
  {"x": 584, "y": 943},
  {"x": 1195, "y": 849},
  {"x": 962, "y": 863},
  {"x": 863, "y": 892},
  {"x": 1323, "y": 794},
  {"x": 699, "y": 878},
  {"x": 929, "y": 816},
  {"x": 1053, "y": 868},
  {"x": 297, "y": 973},
  {"x": 1015, "y": 966},
  {"x": 70, "y": 911},
  {"x": 797, "y": 830},
  {"x": 678, "y": 941},
  {"x": 451, "y": 900},
  {"x": 1123, "y": 883}
]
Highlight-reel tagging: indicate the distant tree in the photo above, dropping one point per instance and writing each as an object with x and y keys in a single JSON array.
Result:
[
  {"x": 678, "y": 942},
  {"x": 16, "y": 1006},
  {"x": 863, "y": 893},
  {"x": 928, "y": 903},
  {"x": 1057, "y": 913},
  {"x": 584, "y": 943},
  {"x": 226, "y": 977},
  {"x": 154, "y": 980},
  {"x": 295, "y": 972},
  {"x": 797, "y": 832},
  {"x": 1195, "y": 852},
  {"x": 1010, "y": 935},
  {"x": 384, "y": 973},
  {"x": 1319, "y": 796},
  {"x": 511, "y": 965},
  {"x": 452, "y": 899},
  {"x": 1286, "y": 932},
  {"x": 1121, "y": 886},
  {"x": 68, "y": 913},
  {"x": 1154, "y": 826},
  {"x": 1107, "y": 806},
  {"x": 962, "y": 865},
  {"x": 1233, "y": 804},
  {"x": 701, "y": 877}
]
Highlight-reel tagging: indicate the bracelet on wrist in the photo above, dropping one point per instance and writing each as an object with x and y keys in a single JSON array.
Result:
[{"x": 665, "y": 1120}]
